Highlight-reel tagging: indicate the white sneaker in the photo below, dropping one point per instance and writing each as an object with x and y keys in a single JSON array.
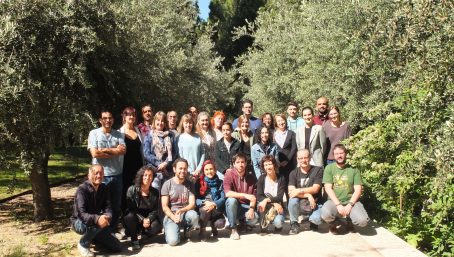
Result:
[
  {"x": 135, "y": 245},
  {"x": 84, "y": 251},
  {"x": 234, "y": 235}
]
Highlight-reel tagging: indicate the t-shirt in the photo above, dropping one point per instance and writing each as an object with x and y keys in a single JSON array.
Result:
[
  {"x": 178, "y": 193},
  {"x": 190, "y": 147},
  {"x": 98, "y": 139},
  {"x": 342, "y": 180},
  {"x": 270, "y": 187},
  {"x": 299, "y": 179},
  {"x": 335, "y": 135}
]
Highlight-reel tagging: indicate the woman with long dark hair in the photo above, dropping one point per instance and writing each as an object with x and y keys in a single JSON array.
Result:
[{"x": 264, "y": 146}]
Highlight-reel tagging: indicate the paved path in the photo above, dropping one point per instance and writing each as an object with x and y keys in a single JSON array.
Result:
[{"x": 369, "y": 242}]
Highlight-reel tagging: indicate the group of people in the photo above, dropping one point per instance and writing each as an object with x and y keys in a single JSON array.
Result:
[{"x": 206, "y": 171}]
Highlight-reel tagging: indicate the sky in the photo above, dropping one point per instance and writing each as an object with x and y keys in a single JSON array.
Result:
[{"x": 204, "y": 10}]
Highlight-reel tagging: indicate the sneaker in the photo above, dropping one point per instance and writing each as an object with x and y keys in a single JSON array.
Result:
[
  {"x": 294, "y": 228},
  {"x": 350, "y": 227},
  {"x": 334, "y": 228},
  {"x": 135, "y": 245},
  {"x": 305, "y": 225},
  {"x": 277, "y": 230},
  {"x": 234, "y": 234},
  {"x": 84, "y": 251},
  {"x": 313, "y": 227},
  {"x": 214, "y": 230},
  {"x": 202, "y": 234}
]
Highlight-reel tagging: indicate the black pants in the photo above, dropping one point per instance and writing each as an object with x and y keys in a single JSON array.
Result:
[
  {"x": 134, "y": 226},
  {"x": 215, "y": 216}
]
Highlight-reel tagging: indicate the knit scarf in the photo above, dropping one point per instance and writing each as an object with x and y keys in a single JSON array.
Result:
[
  {"x": 212, "y": 184},
  {"x": 162, "y": 144}
]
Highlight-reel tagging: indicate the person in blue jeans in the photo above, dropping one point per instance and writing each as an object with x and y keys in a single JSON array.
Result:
[
  {"x": 304, "y": 187},
  {"x": 178, "y": 204},
  {"x": 93, "y": 213}
]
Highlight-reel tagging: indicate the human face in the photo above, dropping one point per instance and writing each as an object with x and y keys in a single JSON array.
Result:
[
  {"x": 187, "y": 126},
  {"x": 204, "y": 122},
  {"x": 159, "y": 124},
  {"x": 147, "y": 178},
  {"x": 244, "y": 126},
  {"x": 269, "y": 168},
  {"x": 147, "y": 113},
  {"x": 180, "y": 170},
  {"x": 322, "y": 105},
  {"x": 281, "y": 123},
  {"x": 340, "y": 156},
  {"x": 218, "y": 121},
  {"x": 193, "y": 111},
  {"x": 334, "y": 115},
  {"x": 304, "y": 159},
  {"x": 247, "y": 109},
  {"x": 267, "y": 120},
  {"x": 292, "y": 111},
  {"x": 264, "y": 135},
  {"x": 172, "y": 118},
  {"x": 130, "y": 118},
  {"x": 209, "y": 170},
  {"x": 240, "y": 165},
  {"x": 106, "y": 120},
  {"x": 226, "y": 132},
  {"x": 308, "y": 117},
  {"x": 96, "y": 175}
]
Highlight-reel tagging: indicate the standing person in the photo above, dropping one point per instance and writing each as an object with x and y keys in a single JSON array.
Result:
[
  {"x": 133, "y": 158},
  {"x": 210, "y": 199},
  {"x": 147, "y": 115},
  {"x": 336, "y": 130},
  {"x": 178, "y": 203},
  {"x": 343, "y": 185},
  {"x": 267, "y": 120},
  {"x": 312, "y": 137},
  {"x": 247, "y": 107},
  {"x": 158, "y": 149},
  {"x": 322, "y": 106},
  {"x": 270, "y": 192},
  {"x": 207, "y": 134},
  {"x": 189, "y": 145},
  {"x": 193, "y": 111},
  {"x": 246, "y": 139},
  {"x": 264, "y": 146},
  {"x": 240, "y": 189},
  {"x": 143, "y": 205},
  {"x": 172, "y": 119},
  {"x": 304, "y": 187},
  {"x": 226, "y": 148},
  {"x": 92, "y": 213},
  {"x": 217, "y": 121},
  {"x": 285, "y": 140},
  {"x": 107, "y": 147},
  {"x": 293, "y": 120}
]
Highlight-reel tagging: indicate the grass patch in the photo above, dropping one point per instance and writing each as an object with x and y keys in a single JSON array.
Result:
[{"x": 63, "y": 164}]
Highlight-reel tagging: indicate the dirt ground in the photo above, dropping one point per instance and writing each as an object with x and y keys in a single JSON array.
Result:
[{"x": 20, "y": 236}]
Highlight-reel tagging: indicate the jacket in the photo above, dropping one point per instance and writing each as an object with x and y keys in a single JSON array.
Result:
[
  {"x": 223, "y": 157},
  {"x": 90, "y": 204},
  {"x": 280, "y": 189},
  {"x": 133, "y": 201},
  {"x": 317, "y": 143}
]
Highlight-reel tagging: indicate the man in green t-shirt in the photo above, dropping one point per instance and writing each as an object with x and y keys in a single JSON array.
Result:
[{"x": 343, "y": 185}]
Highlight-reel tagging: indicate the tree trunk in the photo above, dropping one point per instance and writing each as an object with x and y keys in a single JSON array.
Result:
[{"x": 39, "y": 180}]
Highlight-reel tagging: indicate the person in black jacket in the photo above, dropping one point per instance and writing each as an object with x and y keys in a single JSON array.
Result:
[
  {"x": 270, "y": 193},
  {"x": 143, "y": 203},
  {"x": 225, "y": 149},
  {"x": 92, "y": 213}
]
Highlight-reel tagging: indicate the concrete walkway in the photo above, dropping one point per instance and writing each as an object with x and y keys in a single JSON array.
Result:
[{"x": 371, "y": 241}]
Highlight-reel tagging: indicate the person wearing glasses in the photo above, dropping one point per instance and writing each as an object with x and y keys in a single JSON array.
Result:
[{"x": 107, "y": 147}]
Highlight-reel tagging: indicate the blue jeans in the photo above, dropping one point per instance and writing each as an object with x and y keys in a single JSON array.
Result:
[
  {"x": 234, "y": 210},
  {"x": 294, "y": 211},
  {"x": 97, "y": 235},
  {"x": 172, "y": 230},
  {"x": 115, "y": 184}
]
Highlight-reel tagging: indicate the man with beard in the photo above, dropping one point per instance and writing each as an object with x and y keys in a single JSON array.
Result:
[
  {"x": 247, "y": 108},
  {"x": 343, "y": 185},
  {"x": 293, "y": 121},
  {"x": 322, "y": 107},
  {"x": 147, "y": 115},
  {"x": 172, "y": 120}
]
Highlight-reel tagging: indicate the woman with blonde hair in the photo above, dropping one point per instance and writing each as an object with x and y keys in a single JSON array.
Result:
[{"x": 189, "y": 145}]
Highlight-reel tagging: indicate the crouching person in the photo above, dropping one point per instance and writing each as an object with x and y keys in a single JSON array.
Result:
[
  {"x": 343, "y": 185},
  {"x": 178, "y": 204},
  {"x": 142, "y": 201},
  {"x": 92, "y": 214},
  {"x": 240, "y": 189}
]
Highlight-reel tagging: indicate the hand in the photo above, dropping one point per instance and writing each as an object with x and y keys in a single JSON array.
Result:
[
  {"x": 146, "y": 223},
  {"x": 294, "y": 193},
  {"x": 262, "y": 204},
  {"x": 251, "y": 198},
  {"x": 279, "y": 208},
  {"x": 121, "y": 147},
  {"x": 347, "y": 209},
  {"x": 162, "y": 166},
  {"x": 196, "y": 173},
  {"x": 103, "y": 221},
  {"x": 283, "y": 163},
  {"x": 250, "y": 214},
  {"x": 340, "y": 210},
  {"x": 311, "y": 201},
  {"x": 176, "y": 218},
  {"x": 209, "y": 206}
]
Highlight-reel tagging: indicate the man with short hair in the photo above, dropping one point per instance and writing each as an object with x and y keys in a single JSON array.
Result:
[
  {"x": 92, "y": 213},
  {"x": 304, "y": 187},
  {"x": 322, "y": 106},
  {"x": 247, "y": 108},
  {"x": 293, "y": 120},
  {"x": 343, "y": 185},
  {"x": 240, "y": 189},
  {"x": 147, "y": 115},
  {"x": 172, "y": 119},
  {"x": 178, "y": 204},
  {"x": 107, "y": 147}
]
